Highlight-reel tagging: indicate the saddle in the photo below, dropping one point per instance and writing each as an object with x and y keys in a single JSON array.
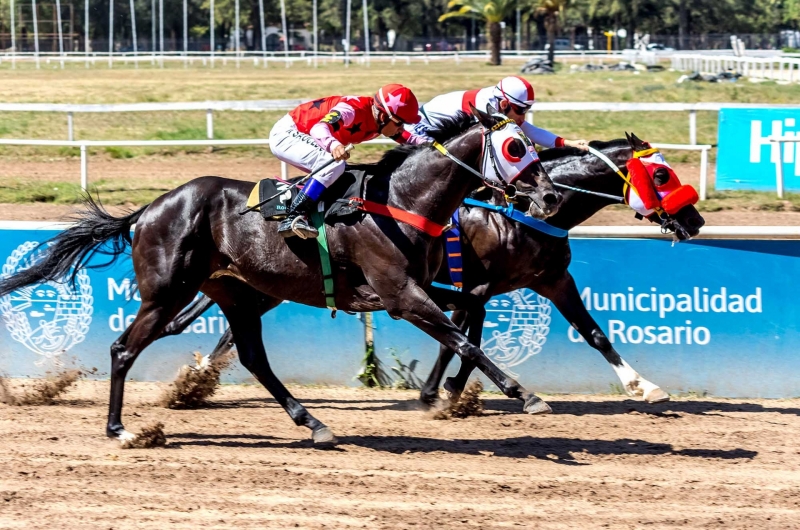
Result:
[{"x": 335, "y": 200}]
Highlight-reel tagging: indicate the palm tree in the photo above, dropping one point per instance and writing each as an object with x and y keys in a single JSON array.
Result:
[
  {"x": 492, "y": 11},
  {"x": 551, "y": 10}
]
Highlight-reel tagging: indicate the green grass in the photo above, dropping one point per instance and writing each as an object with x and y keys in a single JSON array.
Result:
[
  {"x": 17, "y": 192},
  {"x": 750, "y": 200},
  {"x": 176, "y": 83}
]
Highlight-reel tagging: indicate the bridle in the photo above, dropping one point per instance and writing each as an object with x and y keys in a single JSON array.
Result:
[
  {"x": 508, "y": 189},
  {"x": 665, "y": 220}
]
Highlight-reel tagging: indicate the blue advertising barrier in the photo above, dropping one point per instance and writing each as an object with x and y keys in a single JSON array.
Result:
[
  {"x": 746, "y": 158},
  {"x": 717, "y": 316}
]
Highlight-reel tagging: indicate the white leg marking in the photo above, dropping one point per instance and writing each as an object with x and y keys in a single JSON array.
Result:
[
  {"x": 637, "y": 386},
  {"x": 125, "y": 436}
]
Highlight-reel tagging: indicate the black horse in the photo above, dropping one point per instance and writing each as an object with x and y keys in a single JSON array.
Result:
[
  {"x": 511, "y": 256},
  {"x": 193, "y": 239},
  {"x": 500, "y": 255}
]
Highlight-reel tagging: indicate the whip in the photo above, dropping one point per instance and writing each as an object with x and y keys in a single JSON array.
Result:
[{"x": 347, "y": 149}]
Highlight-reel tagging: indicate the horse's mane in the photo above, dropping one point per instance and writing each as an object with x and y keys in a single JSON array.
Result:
[
  {"x": 560, "y": 152},
  {"x": 393, "y": 158}
]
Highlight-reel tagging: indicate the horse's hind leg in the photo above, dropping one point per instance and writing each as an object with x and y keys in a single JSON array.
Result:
[
  {"x": 152, "y": 318},
  {"x": 245, "y": 323}
]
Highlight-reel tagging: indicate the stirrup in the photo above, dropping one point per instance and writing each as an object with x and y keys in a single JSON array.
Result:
[{"x": 303, "y": 229}]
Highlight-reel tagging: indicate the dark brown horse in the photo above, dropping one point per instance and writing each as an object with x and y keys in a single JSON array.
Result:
[
  {"x": 501, "y": 255},
  {"x": 193, "y": 239},
  {"x": 511, "y": 256}
]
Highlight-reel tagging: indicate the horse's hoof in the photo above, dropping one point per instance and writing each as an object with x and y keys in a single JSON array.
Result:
[
  {"x": 125, "y": 436},
  {"x": 656, "y": 396},
  {"x": 324, "y": 437},
  {"x": 453, "y": 393},
  {"x": 535, "y": 405},
  {"x": 427, "y": 403}
]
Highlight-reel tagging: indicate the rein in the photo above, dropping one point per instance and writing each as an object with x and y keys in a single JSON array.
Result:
[
  {"x": 662, "y": 216},
  {"x": 518, "y": 216},
  {"x": 614, "y": 168},
  {"x": 424, "y": 224},
  {"x": 509, "y": 190},
  {"x": 487, "y": 135}
]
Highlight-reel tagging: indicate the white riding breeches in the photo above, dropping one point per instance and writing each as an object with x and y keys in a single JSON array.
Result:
[{"x": 300, "y": 150}]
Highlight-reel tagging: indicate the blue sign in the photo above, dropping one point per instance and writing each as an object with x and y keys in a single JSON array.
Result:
[
  {"x": 717, "y": 316},
  {"x": 712, "y": 316},
  {"x": 746, "y": 159},
  {"x": 46, "y": 327}
]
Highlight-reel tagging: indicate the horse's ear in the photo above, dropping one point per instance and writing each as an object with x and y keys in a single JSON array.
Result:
[
  {"x": 636, "y": 143},
  {"x": 630, "y": 142},
  {"x": 485, "y": 119}
]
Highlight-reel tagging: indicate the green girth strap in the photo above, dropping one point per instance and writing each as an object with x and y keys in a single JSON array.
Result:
[{"x": 318, "y": 220}]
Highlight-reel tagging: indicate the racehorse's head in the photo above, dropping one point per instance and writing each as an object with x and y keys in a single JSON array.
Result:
[
  {"x": 509, "y": 162},
  {"x": 656, "y": 192}
]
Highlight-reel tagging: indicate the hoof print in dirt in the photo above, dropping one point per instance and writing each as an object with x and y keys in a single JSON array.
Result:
[{"x": 151, "y": 436}]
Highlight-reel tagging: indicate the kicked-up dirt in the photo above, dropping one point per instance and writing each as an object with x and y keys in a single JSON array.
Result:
[{"x": 599, "y": 461}]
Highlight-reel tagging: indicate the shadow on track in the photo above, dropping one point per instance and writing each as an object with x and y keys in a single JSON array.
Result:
[{"x": 557, "y": 450}]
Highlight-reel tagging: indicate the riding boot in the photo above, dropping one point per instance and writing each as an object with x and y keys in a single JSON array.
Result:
[{"x": 296, "y": 222}]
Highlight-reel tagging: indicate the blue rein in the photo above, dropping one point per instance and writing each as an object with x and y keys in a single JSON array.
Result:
[{"x": 520, "y": 217}]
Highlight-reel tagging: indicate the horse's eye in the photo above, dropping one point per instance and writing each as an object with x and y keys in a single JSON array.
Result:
[
  {"x": 660, "y": 176},
  {"x": 513, "y": 149}
]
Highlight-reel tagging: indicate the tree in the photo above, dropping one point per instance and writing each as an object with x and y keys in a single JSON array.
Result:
[
  {"x": 551, "y": 10},
  {"x": 492, "y": 11}
]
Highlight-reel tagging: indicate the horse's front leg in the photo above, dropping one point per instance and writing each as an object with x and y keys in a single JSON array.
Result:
[
  {"x": 412, "y": 303},
  {"x": 565, "y": 296}
]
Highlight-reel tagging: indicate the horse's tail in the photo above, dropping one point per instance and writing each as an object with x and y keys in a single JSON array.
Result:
[{"x": 95, "y": 232}]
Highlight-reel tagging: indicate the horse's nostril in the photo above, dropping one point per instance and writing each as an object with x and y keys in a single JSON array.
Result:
[{"x": 550, "y": 199}]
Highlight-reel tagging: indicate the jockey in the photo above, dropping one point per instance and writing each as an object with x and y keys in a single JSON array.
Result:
[
  {"x": 513, "y": 96},
  {"x": 313, "y": 132}
]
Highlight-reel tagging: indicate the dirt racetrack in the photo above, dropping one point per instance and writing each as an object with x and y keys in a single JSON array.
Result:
[{"x": 602, "y": 461}]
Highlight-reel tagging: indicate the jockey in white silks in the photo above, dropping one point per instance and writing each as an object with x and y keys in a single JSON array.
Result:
[{"x": 512, "y": 96}]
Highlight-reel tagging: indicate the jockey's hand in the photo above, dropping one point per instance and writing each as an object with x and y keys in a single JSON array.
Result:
[
  {"x": 340, "y": 152},
  {"x": 580, "y": 144}
]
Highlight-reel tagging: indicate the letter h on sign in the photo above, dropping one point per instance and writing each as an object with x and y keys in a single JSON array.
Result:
[{"x": 791, "y": 152}]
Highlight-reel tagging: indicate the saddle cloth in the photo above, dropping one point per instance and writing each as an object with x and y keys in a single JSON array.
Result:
[{"x": 334, "y": 201}]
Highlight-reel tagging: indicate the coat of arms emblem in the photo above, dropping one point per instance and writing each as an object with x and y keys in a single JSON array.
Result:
[
  {"x": 523, "y": 319},
  {"x": 48, "y": 318}
]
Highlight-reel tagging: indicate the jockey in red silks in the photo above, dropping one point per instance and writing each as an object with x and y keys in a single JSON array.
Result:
[
  {"x": 513, "y": 96},
  {"x": 309, "y": 135}
]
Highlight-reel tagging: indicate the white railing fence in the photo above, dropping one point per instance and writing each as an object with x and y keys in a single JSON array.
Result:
[
  {"x": 288, "y": 58},
  {"x": 84, "y": 146},
  {"x": 778, "y": 68},
  {"x": 209, "y": 107}
]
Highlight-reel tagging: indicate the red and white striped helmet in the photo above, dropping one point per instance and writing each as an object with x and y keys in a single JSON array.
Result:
[
  {"x": 398, "y": 102},
  {"x": 515, "y": 90}
]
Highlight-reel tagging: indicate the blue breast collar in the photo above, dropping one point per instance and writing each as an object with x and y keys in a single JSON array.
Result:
[
  {"x": 453, "y": 236},
  {"x": 516, "y": 215}
]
